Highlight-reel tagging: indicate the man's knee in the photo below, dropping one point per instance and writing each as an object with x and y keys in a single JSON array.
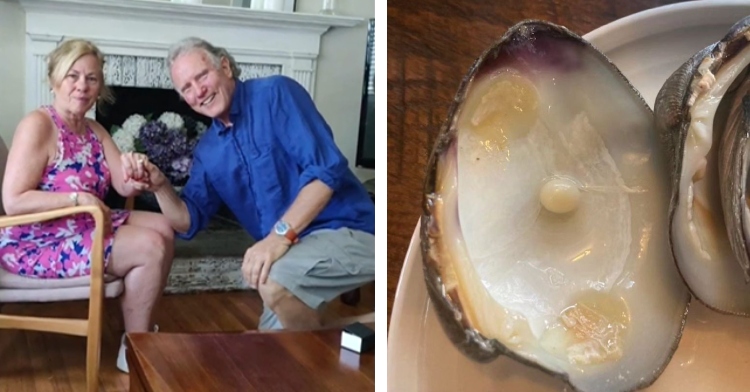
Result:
[
  {"x": 285, "y": 310},
  {"x": 273, "y": 293}
]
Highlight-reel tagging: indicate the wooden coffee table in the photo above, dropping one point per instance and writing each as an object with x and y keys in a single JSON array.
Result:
[{"x": 249, "y": 361}]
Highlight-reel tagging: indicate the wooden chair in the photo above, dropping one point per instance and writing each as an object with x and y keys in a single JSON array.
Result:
[{"x": 15, "y": 288}]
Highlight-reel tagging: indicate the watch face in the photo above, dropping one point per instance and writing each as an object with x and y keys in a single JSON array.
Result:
[{"x": 281, "y": 228}]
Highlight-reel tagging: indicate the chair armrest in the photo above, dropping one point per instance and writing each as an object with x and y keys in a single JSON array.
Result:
[{"x": 130, "y": 203}]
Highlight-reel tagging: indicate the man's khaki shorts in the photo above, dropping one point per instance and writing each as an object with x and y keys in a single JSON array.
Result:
[{"x": 321, "y": 266}]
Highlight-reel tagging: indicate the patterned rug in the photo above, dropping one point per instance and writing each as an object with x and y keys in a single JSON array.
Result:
[{"x": 211, "y": 261}]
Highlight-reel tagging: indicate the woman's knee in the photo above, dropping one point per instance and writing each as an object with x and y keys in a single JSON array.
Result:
[
  {"x": 135, "y": 247},
  {"x": 143, "y": 246},
  {"x": 153, "y": 221},
  {"x": 166, "y": 229},
  {"x": 159, "y": 248},
  {"x": 161, "y": 225}
]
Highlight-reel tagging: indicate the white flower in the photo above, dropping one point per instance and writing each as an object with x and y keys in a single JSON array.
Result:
[
  {"x": 124, "y": 140},
  {"x": 125, "y": 137},
  {"x": 133, "y": 124},
  {"x": 172, "y": 120}
]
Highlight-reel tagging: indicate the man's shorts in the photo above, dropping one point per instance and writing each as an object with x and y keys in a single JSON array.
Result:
[{"x": 321, "y": 266}]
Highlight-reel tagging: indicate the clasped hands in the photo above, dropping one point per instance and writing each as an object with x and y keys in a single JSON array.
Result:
[{"x": 140, "y": 173}]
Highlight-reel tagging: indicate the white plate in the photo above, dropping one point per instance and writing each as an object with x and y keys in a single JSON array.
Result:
[{"x": 714, "y": 352}]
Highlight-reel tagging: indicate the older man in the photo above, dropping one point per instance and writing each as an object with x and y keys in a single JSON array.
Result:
[{"x": 270, "y": 157}]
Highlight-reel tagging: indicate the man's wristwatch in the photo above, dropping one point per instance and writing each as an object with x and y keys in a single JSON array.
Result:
[{"x": 285, "y": 230}]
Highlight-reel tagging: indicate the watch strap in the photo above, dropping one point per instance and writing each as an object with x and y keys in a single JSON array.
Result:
[{"x": 291, "y": 235}]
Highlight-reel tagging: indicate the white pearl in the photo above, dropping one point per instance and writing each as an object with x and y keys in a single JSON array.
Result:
[{"x": 560, "y": 195}]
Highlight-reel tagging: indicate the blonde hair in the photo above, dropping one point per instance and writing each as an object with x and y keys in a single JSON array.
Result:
[{"x": 62, "y": 58}]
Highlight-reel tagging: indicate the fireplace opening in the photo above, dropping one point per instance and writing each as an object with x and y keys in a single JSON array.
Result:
[
  {"x": 150, "y": 103},
  {"x": 143, "y": 101}
]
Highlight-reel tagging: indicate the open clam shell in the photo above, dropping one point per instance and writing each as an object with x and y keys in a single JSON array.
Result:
[
  {"x": 703, "y": 124},
  {"x": 544, "y": 232}
]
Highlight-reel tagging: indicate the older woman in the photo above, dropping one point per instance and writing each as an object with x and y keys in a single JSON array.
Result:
[{"x": 60, "y": 158}]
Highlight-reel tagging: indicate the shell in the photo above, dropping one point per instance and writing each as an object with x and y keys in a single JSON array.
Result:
[
  {"x": 462, "y": 304},
  {"x": 708, "y": 246}
]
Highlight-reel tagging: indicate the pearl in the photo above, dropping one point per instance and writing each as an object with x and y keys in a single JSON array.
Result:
[{"x": 560, "y": 195}]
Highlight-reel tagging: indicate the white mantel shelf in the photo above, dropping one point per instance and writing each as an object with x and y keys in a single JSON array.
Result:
[{"x": 202, "y": 13}]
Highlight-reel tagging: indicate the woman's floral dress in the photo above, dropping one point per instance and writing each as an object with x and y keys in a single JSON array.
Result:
[{"x": 61, "y": 248}]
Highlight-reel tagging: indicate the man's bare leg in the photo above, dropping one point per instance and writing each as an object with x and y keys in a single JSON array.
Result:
[{"x": 292, "y": 313}]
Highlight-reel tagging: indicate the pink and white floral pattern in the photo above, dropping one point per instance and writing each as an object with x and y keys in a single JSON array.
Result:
[{"x": 61, "y": 248}]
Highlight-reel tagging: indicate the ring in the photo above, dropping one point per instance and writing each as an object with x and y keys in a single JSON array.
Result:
[{"x": 140, "y": 160}]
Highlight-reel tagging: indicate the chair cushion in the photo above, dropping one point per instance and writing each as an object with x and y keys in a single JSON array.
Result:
[
  {"x": 9, "y": 280},
  {"x": 111, "y": 290}
]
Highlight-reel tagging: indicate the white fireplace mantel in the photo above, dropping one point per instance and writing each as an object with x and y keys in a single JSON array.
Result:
[{"x": 135, "y": 34}]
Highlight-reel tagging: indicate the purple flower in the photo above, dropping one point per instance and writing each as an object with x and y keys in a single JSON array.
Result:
[{"x": 169, "y": 149}]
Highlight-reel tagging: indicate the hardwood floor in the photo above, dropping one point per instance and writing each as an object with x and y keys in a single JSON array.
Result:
[{"x": 45, "y": 362}]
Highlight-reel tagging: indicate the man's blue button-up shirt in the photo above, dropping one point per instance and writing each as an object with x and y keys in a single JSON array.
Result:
[{"x": 276, "y": 144}]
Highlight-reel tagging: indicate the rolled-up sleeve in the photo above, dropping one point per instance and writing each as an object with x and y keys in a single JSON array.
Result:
[
  {"x": 307, "y": 137},
  {"x": 201, "y": 199}
]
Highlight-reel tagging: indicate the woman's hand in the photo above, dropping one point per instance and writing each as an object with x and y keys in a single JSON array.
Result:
[
  {"x": 88, "y": 199},
  {"x": 133, "y": 166},
  {"x": 141, "y": 173}
]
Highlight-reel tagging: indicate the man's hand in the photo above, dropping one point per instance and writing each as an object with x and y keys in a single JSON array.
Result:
[{"x": 259, "y": 258}]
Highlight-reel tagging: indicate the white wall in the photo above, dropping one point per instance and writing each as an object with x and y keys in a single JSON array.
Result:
[
  {"x": 338, "y": 89},
  {"x": 12, "y": 40}
]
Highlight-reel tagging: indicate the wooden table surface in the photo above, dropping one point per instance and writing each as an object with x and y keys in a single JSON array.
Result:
[
  {"x": 250, "y": 361},
  {"x": 431, "y": 44}
]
